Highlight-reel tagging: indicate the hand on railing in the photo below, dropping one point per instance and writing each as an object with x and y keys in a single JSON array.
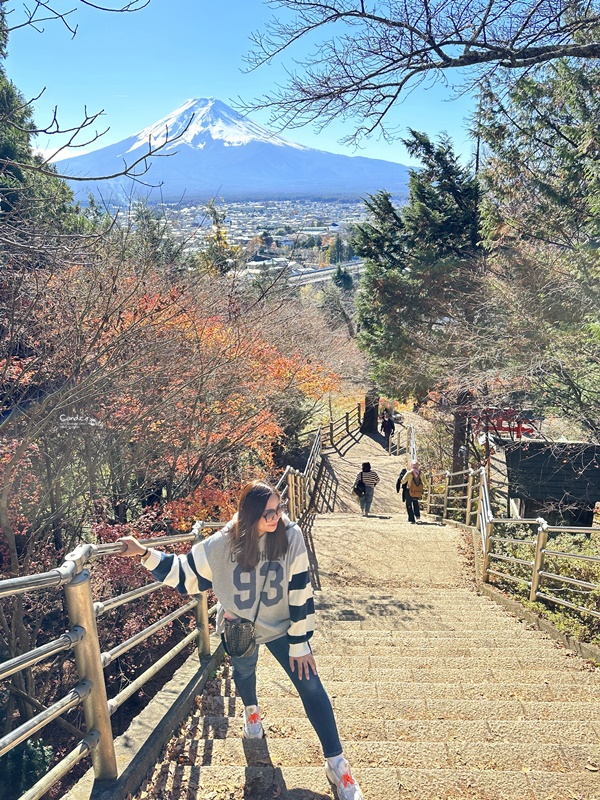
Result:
[{"x": 132, "y": 547}]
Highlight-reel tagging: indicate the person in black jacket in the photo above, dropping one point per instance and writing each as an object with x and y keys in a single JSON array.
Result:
[
  {"x": 387, "y": 427},
  {"x": 400, "y": 485}
]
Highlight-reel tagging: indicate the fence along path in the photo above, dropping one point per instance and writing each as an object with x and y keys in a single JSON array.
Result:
[{"x": 438, "y": 691}]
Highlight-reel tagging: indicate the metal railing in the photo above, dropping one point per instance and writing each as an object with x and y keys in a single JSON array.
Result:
[
  {"x": 333, "y": 431},
  {"x": 411, "y": 445},
  {"x": 82, "y": 637},
  {"x": 532, "y": 571},
  {"x": 527, "y": 568},
  {"x": 396, "y": 448}
]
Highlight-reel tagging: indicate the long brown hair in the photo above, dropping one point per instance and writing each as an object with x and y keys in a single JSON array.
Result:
[{"x": 251, "y": 506}]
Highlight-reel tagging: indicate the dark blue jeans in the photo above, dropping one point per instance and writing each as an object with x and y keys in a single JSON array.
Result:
[
  {"x": 412, "y": 508},
  {"x": 314, "y": 698},
  {"x": 367, "y": 499}
]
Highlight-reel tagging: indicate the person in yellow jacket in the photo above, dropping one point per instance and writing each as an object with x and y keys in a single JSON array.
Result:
[{"x": 414, "y": 491}]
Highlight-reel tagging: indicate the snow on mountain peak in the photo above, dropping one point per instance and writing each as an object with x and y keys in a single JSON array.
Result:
[{"x": 198, "y": 120}]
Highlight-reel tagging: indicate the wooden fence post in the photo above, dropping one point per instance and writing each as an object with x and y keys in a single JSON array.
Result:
[
  {"x": 446, "y": 493},
  {"x": 429, "y": 491}
]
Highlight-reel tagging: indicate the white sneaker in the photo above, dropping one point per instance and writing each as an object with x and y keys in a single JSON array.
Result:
[
  {"x": 342, "y": 782},
  {"x": 253, "y": 727}
]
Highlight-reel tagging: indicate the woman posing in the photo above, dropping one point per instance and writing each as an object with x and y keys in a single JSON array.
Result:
[{"x": 258, "y": 565}]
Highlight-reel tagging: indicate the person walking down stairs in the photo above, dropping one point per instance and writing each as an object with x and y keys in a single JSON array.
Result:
[
  {"x": 370, "y": 479},
  {"x": 414, "y": 491},
  {"x": 387, "y": 428},
  {"x": 257, "y": 566}
]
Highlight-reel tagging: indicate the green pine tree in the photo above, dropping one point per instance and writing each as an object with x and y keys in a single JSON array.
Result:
[{"x": 422, "y": 268}]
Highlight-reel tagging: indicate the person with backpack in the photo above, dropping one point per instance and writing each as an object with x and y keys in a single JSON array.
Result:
[
  {"x": 364, "y": 487},
  {"x": 257, "y": 566},
  {"x": 414, "y": 491}
]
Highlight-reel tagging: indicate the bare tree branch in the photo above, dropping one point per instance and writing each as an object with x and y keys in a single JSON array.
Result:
[
  {"x": 366, "y": 57},
  {"x": 40, "y": 12}
]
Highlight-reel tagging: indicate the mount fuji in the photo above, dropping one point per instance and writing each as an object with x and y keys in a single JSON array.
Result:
[{"x": 214, "y": 151}]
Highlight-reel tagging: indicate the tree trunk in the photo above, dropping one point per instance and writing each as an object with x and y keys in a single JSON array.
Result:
[{"x": 371, "y": 416}]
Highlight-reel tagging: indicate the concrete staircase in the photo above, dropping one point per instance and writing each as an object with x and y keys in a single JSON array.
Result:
[
  {"x": 445, "y": 696},
  {"x": 438, "y": 692}
]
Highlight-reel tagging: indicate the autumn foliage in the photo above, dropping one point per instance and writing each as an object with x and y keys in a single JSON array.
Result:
[{"x": 136, "y": 398}]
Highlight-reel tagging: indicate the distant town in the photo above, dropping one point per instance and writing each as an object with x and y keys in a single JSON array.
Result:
[{"x": 305, "y": 233}]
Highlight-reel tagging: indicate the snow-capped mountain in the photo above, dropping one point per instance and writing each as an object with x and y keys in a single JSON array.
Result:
[
  {"x": 212, "y": 150},
  {"x": 197, "y": 121}
]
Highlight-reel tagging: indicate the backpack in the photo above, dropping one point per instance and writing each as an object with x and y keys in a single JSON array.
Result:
[
  {"x": 360, "y": 487},
  {"x": 416, "y": 489}
]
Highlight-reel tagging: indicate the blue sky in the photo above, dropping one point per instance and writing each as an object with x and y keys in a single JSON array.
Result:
[{"x": 139, "y": 67}]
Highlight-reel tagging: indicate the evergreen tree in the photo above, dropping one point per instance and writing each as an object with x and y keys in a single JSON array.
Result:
[
  {"x": 541, "y": 221},
  {"x": 218, "y": 256},
  {"x": 336, "y": 250},
  {"x": 343, "y": 279},
  {"x": 422, "y": 268},
  {"x": 16, "y": 128}
]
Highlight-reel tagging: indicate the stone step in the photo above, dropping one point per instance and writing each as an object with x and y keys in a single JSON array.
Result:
[
  {"x": 563, "y": 731},
  {"x": 461, "y": 620},
  {"x": 409, "y": 708},
  {"x": 348, "y": 668},
  {"x": 341, "y": 594},
  {"x": 386, "y": 654},
  {"x": 330, "y": 670},
  {"x": 434, "y": 625},
  {"x": 419, "y": 598},
  {"x": 398, "y": 602},
  {"x": 511, "y": 632},
  {"x": 273, "y": 682},
  {"x": 412, "y": 755},
  {"x": 377, "y": 684},
  {"x": 309, "y": 783},
  {"x": 420, "y": 636},
  {"x": 450, "y": 647}
]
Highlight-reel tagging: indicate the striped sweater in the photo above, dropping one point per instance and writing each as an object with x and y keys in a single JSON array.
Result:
[
  {"x": 370, "y": 478},
  {"x": 286, "y": 606}
]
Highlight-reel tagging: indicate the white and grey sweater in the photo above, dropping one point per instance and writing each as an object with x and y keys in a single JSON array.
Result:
[{"x": 286, "y": 606}]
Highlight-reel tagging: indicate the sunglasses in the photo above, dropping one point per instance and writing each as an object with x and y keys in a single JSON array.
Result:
[{"x": 273, "y": 513}]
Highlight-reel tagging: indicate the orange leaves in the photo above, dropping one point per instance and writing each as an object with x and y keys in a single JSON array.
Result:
[
  {"x": 208, "y": 502},
  {"x": 144, "y": 387}
]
